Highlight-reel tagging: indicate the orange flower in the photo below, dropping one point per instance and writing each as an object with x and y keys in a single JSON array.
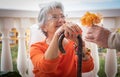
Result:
[{"x": 90, "y": 19}]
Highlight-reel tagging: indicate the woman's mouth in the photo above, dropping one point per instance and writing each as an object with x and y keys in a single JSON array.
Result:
[{"x": 58, "y": 26}]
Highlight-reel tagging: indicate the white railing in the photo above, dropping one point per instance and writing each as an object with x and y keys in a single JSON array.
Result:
[
  {"x": 23, "y": 64},
  {"x": 111, "y": 63},
  {"x": 6, "y": 59}
]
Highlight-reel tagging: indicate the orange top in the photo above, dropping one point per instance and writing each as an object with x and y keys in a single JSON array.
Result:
[{"x": 62, "y": 66}]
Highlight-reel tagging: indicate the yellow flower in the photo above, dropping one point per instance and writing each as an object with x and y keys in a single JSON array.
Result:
[{"x": 90, "y": 19}]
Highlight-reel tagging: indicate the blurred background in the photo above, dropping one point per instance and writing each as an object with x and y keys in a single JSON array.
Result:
[{"x": 18, "y": 18}]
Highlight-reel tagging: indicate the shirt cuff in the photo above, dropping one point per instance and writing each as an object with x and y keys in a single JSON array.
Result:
[
  {"x": 87, "y": 65},
  {"x": 114, "y": 41}
]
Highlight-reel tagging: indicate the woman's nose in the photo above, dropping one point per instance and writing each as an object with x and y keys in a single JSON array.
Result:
[{"x": 61, "y": 20}]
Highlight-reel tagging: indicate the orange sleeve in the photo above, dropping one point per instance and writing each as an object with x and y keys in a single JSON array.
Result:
[
  {"x": 88, "y": 65},
  {"x": 37, "y": 57}
]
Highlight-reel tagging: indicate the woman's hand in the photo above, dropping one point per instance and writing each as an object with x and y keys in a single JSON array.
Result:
[
  {"x": 70, "y": 30},
  {"x": 86, "y": 53}
]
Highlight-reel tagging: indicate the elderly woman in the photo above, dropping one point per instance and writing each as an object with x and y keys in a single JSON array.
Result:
[{"x": 45, "y": 55}]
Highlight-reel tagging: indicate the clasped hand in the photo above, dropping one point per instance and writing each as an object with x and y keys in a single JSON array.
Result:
[{"x": 71, "y": 30}]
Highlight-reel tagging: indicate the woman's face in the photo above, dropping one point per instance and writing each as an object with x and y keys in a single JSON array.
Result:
[{"x": 55, "y": 19}]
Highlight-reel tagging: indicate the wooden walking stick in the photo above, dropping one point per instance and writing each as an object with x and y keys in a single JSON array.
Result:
[{"x": 79, "y": 52}]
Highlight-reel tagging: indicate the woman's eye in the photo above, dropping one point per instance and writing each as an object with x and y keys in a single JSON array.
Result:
[
  {"x": 55, "y": 17},
  {"x": 62, "y": 16}
]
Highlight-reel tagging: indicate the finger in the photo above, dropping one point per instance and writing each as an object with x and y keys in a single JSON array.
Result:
[
  {"x": 89, "y": 36},
  {"x": 69, "y": 29},
  {"x": 70, "y": 35},
  {"x": 76, "y": 28},
  {"x": 72, "y": 26},
  {"x": 90, "y": 40},
  {"x": 68, "y": 32}
]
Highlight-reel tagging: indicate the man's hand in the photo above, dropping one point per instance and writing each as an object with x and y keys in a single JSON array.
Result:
[{"x": 98, "y": 35}]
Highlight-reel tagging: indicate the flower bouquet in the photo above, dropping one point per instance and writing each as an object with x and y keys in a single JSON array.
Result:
[{"x": 90, "y": 19}]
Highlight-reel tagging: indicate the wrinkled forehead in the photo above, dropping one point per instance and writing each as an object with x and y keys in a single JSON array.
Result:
[{"x": 55, "y": 11}]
